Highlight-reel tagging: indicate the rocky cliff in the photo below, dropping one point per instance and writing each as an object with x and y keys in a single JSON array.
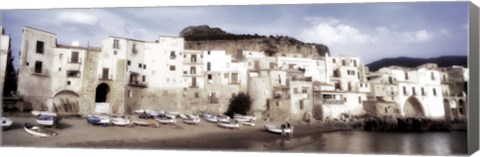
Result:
[{"x": 206, "y": 38}]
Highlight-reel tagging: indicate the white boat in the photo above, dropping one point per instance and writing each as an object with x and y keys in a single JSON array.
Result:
[
  {"x": 248, "y": 123},
  {"x": 144, "y": 122},
  {"x": 37, "y": 113},
  {"x": 183, "y": 116},
  {"x": 278, "y": 130},
  {"x": 223, "y": 119},
  {"x": 244, "y": 117},
  {"x": 166, "y": 120},
  {"x": 98, "y": 120},
  {"x": 229, "y": 125},
  {"x": 121, "y": 121},
  {"x": 194, "y": 121},
  {"x": 47, "y": 119},
  {"x": 6, "y": 122},
  {"x": 212, "y": 119},
  {"x": 38, "y": 130}
]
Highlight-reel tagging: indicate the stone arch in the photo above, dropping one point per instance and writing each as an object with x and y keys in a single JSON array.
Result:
[
  {"x": 461, "y": 107},
  {"x": 101, "y": 93},
  {"x": 413, "y": 108},
  {"x": 66, "y": 101},
  {"x": 447, "y": 109}
]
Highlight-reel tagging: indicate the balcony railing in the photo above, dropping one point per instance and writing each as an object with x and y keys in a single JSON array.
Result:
[
  {"x": 301, "y": 78},
  {"x": 106, "y": 77},
  {"x": 78, "y": 61},
  {"x": 43, "y": 73}
]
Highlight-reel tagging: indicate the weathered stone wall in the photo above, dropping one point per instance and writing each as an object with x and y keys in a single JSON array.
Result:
[
  {"x": 277, "y": 110},
  {"x": 233, "y": 46},
  {"x": 90, "y": 82}
]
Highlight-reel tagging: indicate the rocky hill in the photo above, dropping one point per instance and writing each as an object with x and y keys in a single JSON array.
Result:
[
  {"x": 443, "y": 61},
  {"x": 207, "y": 38}
]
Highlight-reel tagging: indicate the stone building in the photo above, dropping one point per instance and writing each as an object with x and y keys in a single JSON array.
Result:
[
  {"x": 415, "y": 92},
  {"x": 5, "y": 42}
]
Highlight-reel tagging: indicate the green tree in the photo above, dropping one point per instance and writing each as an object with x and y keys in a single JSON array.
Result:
[{"x": 239, "y": 104}]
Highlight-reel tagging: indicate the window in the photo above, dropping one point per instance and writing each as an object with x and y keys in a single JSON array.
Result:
[
  {"x": 336, "y": 73},
  {"x": 193, "y": 70},
  {"x": 390, "y": 80},
  {"x": 343, "y": 62},
  {"x": 225, "y": 75},
  {"x": 355, "y": 63},
  {"x": 333, "y": 60},
  {"x": 304, "y": 90},
  {"x": 74, "y": 58},
  {"x": 197, "y": 95},
  {"x": 413, "y": 91},
  {"x": 128, "y": 62},
  {"x": 434, "y": 92},
  {"x": 69, "y": 83},
  {"x": 40, "y": 47},
  {"x": 234, "y": 78},
  {"x": 144, "y": 66},
  {"x": 73, "y": 73},
  {"x": 406, "y": 76},
  {"x": 404, "y": 90},
  {"x": 115, "y": 52},
  {"x": 172, "y": 67},
  {"x": 134, "y": 49},
  {"x": 105, "y": 74},
  {"x": 432, "y": 75},
  {"x": 193, "y": 58},
  {"x": 295, "y": 90},
  {"x": 144, "y": 78},
  {"x": 209, "y": 76},
  {"x": 172, "y": 55},
  {"x": 208, "y": 52},
  {"x": 140, "y": 65},
  {"x": 337, "y": 86},
  {"x": 423, "y": 92},
  {"x": 38, "y": 67},
  {"x": 130, "y": 93},
  {"x": 359, "y": 100},
  {"x": 116, "y": 44},
  {"x": 208, "y": 66},
  {"x": 301, "y": 104}
]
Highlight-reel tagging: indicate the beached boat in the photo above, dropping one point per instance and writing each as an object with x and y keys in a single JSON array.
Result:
[
  {"x": 183, "y": 116},
  {"x": 229, "y": 125},
  {"x": 211, "y": 118},
  {"x": 46, "y": 118},
  {"x": 223, "y": 119},
  {"x": 6, "y": 123},
  {"x": 244, "y": 117},
  {"x": 38, "y": 130},
  {"x": 248, "y": 123},
  {"x": 165, "y": 120},
  {"x": 98, "y": 120},
  {"x": 141, "y": 122},
  {"x": 121, "y": 121},
  {"x": 191, "y": 119},
  {"x": 278, "y": 130}
]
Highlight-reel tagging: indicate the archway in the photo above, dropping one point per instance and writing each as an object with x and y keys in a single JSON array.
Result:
[
  {"x": 461, "y": 107},
  {"x": 101, "y": 93},
  {"x": 447, "y": 109},
  {"x": 66, "y": 101},
  {"x": 454, "y": 109},
  {"x": 413, "y": 108}
]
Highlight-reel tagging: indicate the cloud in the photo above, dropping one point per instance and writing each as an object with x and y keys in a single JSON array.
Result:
[
  {"x": 77, "y": 18},
  {"x": 331, "y": 31}
]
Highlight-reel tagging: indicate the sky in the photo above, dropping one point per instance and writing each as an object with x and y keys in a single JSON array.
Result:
[{"x": 371, "y": 31}]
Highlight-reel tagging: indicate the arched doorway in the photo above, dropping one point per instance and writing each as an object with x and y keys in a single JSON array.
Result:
[
  {"x": 101, "y": 93},
  {"x": 447, "y": 109},
  {"x": 461, "y": 107},
  {"x": 66, "y": 101},
  {"x": 413, "y": 108},
  {"x": 454, "y": 109}
]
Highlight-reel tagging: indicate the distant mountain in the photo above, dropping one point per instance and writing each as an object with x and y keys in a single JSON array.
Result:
[{"x": 443, "y": 61}]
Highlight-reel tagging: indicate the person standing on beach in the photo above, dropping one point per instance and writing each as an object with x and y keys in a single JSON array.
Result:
[{"x": 283, "y": 129}]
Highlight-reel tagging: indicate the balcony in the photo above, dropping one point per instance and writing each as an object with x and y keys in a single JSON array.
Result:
[
  {"x": 301, "y": 78},
  {"x": 73, "y": 61},
  {"x": 43, "y": 73},
  {"x": 333, "y": 102},
  {"x": 138, "y": 84}
]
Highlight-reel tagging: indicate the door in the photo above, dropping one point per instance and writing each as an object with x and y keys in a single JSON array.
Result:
[
  {"x": 105, "y": 74},
  {"x": 194, "y": 82}
]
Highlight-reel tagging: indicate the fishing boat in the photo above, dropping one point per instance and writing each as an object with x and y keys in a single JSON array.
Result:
[
  {"x": 183, "y": 116},
  {"x": 6, "y": 122},
  {"x": 244, "y": 118},
  {"x": 165, "y": 120},
  {"x": 98, "y": 120},
  {"x": 278, "y": 130},
  {"x": 248, "y": 123},
  {"x": 121, "y": 121},
  {"x": 210, "y": 118},
  {"x": 38, "y": 130},
  {"x": 171, "y": 114},
  {"x": 229, "y": 125},
  {"x": 194, "y": 121},
  {"x": 223, "y": 119},
  {"x": 142, "y": 122}
]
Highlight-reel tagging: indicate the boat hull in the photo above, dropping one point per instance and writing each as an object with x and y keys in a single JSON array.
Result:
[
  {"x": 38, "y": 131},
  {"x": 6, "y": 123},
  {"x": 278, "y": 130}
]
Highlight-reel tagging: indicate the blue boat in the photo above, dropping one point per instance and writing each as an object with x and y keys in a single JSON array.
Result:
[{"x": 98, "y": 120}]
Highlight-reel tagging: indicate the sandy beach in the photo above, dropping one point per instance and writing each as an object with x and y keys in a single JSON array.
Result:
[{"x": 76, "y": 132}]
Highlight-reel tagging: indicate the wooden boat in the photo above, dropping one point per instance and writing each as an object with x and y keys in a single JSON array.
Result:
[
  {"x": 244, "y": 117},
  {"x": 165, "y": 120},
  {"x": 6, "y": 123},
  {"x": 38, "y": 130},
  {"x": 121, "y": 121},
  {"x": 278, "y": 130},
  {"x": 98, "y": 120},
  {"x": 140, "y": 122},
  {"x": 229, "y": 125}
]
